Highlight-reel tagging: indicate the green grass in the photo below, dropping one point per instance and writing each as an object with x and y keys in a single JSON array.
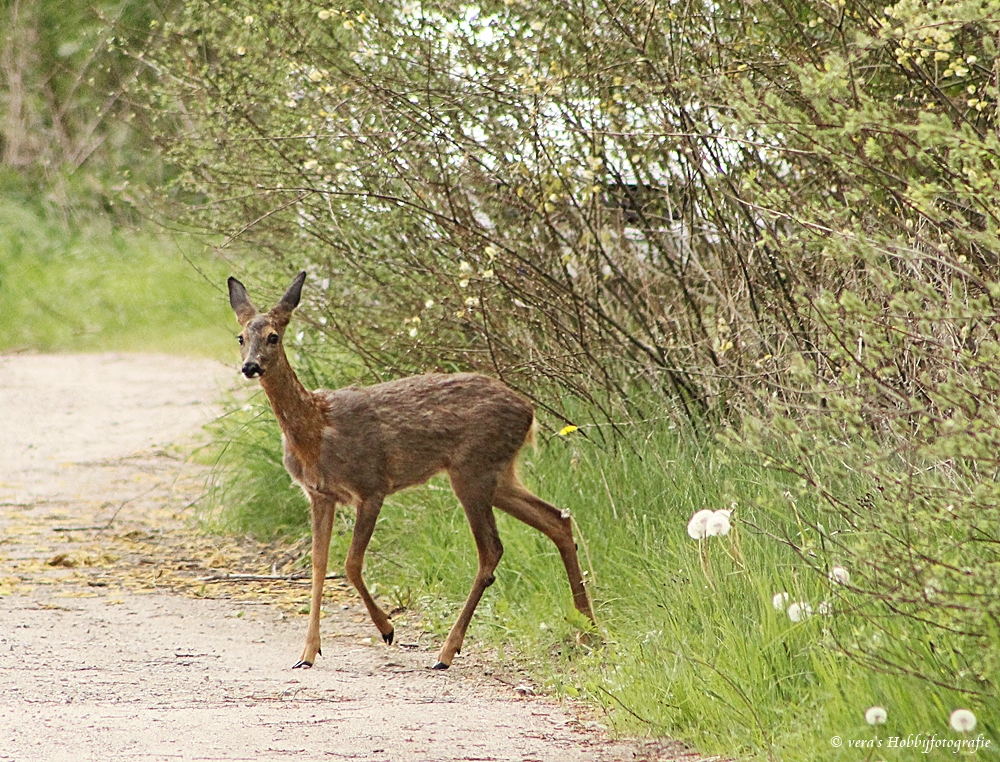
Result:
[
  {"x": 93, "y": 287},
  {"x": 692, "y": 646}
]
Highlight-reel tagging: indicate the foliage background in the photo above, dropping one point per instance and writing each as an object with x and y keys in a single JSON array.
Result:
[{"x": 666, "y": 214}]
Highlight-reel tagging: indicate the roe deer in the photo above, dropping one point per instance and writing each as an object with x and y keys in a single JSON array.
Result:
[{"x": 358, "y": 445}]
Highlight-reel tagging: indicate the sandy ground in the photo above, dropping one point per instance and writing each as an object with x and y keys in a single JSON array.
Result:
[{"x": 115, "y": 644}]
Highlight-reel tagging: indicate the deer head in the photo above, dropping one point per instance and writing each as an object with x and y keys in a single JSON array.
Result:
[{"x": 262, "y": 334}]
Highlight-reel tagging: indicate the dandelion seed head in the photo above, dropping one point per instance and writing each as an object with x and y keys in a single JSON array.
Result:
[
  {"x": 839, "y": 575},
  {"x": 798, "y": 611},
  {"x": 780, "y": 601},
  {"x": 876, "y": 715},
  {"x": 717, "y": 525},
  {"x": 962, "y": 720},
  {"x": 696, "y": 526}
]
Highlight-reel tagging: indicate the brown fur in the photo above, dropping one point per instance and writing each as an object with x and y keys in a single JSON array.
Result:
[{"x": 359, "y": 445}]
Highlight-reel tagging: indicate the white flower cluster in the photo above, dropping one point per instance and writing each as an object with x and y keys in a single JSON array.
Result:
[
  {"x": 799, "y": 610},
  {"x": 706, "y": 523}
]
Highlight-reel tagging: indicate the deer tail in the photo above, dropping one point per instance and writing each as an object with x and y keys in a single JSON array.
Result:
[{"x": 532, "y": 437}]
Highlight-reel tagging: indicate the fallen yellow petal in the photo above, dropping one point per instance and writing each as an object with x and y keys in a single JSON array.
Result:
[{"x": 567, "y": 430}]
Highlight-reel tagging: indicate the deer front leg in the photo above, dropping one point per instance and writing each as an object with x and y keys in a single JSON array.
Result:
[
  {"x": 323, "y": 510},
  {"x": 368, "y": 510}
]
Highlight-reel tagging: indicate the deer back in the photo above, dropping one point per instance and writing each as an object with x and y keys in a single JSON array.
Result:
[{"x": 380, "y": 439}]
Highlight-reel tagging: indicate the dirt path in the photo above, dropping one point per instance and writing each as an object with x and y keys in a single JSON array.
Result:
[{"x": 113, "y": 646}]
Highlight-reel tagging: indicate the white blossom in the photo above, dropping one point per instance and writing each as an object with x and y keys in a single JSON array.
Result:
[
  {"x": 717, "y": 524},
  {"x": 780, "y": 601},
  {"x": 876, "y": 715},
  {"x": 963, "y": 720},
  {"x": 696, "y": 526},
  {"x": 839, "y": 575},
  {"x": 799, "y": 611}
]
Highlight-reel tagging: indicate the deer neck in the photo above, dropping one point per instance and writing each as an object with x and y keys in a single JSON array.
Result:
[{"x": 298, "y": 411}]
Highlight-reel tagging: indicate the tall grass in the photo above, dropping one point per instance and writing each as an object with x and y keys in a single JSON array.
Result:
[
  {"x": 92, "y": 286},
  {"x": 692, "y": 645}
]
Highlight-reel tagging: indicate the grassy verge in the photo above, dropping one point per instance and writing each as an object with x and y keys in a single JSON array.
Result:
[
  {"x": 693, "y": 646},
  {"x": 92, "y": 287}
]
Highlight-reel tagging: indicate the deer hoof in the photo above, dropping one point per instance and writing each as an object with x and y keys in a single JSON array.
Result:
[
  {"x": 303, "y": 665},
  {"x": 388, "y": 637},
  {"x": 440, "y": 665}
]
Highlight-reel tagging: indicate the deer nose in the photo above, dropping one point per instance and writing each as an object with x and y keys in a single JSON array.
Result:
[{"x": 251, "y": 369}]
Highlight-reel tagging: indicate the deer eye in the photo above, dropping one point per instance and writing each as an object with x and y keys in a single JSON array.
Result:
[
  {"x": 272, "y": 339},
  {"x": 240, "y": 340}
]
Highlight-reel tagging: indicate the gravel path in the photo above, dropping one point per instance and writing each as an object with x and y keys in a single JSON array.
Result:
[{"x": 114, "y": 647}]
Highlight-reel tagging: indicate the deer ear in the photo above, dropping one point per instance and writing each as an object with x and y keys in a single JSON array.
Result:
[
  {"x": 291, "y": 298},
  {"x": 240, "y": 301}
]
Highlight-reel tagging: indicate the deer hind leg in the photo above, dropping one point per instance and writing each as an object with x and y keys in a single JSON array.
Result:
[
  {"x": 513, "y": 498},
  {"x": 476, "y": 495},
  {"x": 323, "y": 510},
  {"x": 368, "y": 510}
]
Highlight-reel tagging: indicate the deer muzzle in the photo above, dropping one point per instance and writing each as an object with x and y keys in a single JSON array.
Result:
[{"x": 251, "y": 369}]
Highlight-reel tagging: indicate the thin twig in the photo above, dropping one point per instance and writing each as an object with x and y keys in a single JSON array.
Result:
[
  {"x": 113, "y": 516},
  {"x": 264, "y": 577},
  {"x": 625, "y": 706}
]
